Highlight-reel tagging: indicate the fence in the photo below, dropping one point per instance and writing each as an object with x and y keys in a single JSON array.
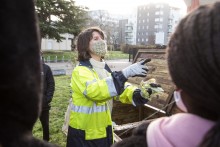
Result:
[{"x": 55, "y": 59}]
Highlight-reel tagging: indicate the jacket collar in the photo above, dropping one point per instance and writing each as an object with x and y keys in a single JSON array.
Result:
[
  {"x": 85, "y": 63},
  {"x": 88, "y": 64}
]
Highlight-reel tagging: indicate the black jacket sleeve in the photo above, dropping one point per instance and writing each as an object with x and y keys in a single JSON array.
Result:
[
  {"x": 137, "y": 139},
  {"x": 119, "y": 81},
  {"x": 49, "y": 84}
]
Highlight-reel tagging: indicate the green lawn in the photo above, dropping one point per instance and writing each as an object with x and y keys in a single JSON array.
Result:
[
  {"x": 112, "y": 55},
  {"x": 72, "y": 55},
  {"x": 58, "y": 108}
]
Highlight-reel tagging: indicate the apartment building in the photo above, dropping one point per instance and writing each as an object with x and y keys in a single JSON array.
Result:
[{"x": 155, "y": 23}]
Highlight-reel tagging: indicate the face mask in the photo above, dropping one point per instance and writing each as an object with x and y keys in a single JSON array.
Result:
[
  {"x": 99, "y": 48},
  {"x": 179, "y": 101}
]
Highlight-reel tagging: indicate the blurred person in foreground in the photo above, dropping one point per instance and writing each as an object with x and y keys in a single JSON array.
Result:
[
  {"x": 193, "y": 56},
  {"x": 20, "y": 74}
]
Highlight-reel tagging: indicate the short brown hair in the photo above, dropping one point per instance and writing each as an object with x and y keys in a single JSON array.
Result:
[{"x": 83, "y": 42}]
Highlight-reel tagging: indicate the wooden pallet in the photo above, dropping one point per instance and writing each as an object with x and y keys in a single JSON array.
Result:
[{"x": 157, "y": 69}]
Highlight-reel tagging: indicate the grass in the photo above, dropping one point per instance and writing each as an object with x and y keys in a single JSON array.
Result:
[
  {"x": 71, "y": 55},
  {"x": 58, "y": 108},
  {"x": 113, "y": 55}
]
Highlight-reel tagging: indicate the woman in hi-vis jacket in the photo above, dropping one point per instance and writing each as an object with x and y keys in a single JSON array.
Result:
[{"x": 93, "y": 88}]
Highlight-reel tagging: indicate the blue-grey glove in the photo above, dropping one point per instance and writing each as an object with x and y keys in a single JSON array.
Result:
[{"x": 137, "y": 69}]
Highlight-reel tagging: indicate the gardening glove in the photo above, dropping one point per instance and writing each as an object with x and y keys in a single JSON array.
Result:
[
  {"x": 137, "y": 99},
  {"x": 150, "y": 87},
  {"x": 137, "y": 69}
]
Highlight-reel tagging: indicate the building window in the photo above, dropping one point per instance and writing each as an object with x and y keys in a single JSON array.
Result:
[
  {"x": 158, "y": 19},
  {"x": 158, "y": 26},
  {"x": 143, "y": 20},
  {"x": 159, "y": 6},
  {"x": 159, "y": 13},
  {"x": 138, "y": 39}
]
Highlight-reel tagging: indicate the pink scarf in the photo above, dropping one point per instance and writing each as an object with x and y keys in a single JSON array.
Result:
[{"x": 179, "y": 130}]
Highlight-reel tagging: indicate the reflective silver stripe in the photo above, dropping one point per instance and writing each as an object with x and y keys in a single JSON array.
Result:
[
  {"x": 87, "y": 83},
  {"x": 111, "y": 86},
  {"x": 90, "y": 82},
  {"x": 89, "y": 110}
]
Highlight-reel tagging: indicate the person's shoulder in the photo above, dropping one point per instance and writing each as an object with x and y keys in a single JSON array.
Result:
[
  {"x": 46, "y": 67},
  {"x": 82, "y": 69},
  {"x": 44, "y": 64}
]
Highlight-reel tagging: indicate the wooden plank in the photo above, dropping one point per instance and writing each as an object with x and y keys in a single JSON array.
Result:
[
  {"x": 158, "y": 69},
  {"x": 116, "y": 138},
  {"x": 130, "y": 125}
]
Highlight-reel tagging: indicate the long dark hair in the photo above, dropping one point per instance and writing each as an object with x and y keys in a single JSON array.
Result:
[
  {"x": 83, "y": 42},
  {"x": 194, "y": 65}
]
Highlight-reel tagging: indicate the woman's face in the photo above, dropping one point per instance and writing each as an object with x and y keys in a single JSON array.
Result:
[
  {"x": 97, "y": 46},
  {"x": 95, "y": 37}
]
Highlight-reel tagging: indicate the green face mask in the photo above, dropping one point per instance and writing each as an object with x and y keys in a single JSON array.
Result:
[{"x": 99, "y": 48}]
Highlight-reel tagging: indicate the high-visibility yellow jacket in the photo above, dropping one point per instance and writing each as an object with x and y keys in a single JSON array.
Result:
[{"x": 89, "y": 110}]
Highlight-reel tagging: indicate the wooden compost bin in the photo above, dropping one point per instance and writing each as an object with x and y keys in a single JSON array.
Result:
[{"x": 161, "y": 105}]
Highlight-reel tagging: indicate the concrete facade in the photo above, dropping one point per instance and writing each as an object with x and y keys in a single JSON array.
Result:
[{"x": 51, "y": 44}]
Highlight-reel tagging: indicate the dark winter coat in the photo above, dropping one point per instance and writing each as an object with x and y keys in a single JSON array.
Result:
[
  {"x": 48, "y": 87},
  {"x": 20, "y": 75}
]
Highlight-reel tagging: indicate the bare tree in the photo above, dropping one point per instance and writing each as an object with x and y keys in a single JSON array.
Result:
[{"x": 102, "y": 19}]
